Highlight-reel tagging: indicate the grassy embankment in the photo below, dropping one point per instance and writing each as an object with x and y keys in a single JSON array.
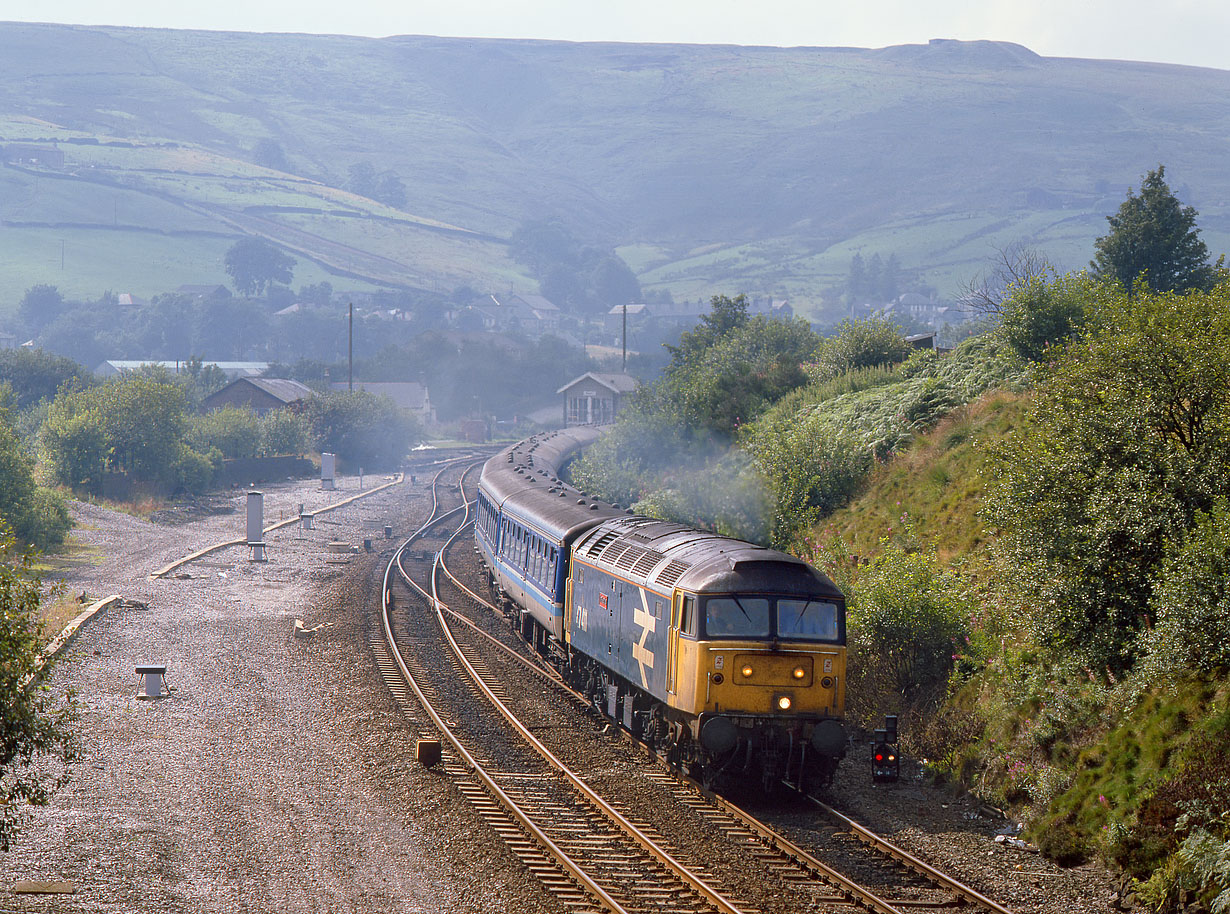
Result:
[{"x": 1094, "y": 766}]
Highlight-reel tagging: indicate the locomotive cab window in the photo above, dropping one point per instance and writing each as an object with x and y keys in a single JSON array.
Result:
[
  {"x": 737, "y": 617},
  {"x": 809, "y": 620},
  {"x": 687, "y": 618}
]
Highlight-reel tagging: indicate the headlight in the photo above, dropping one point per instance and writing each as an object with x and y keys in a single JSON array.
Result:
[
  {"x": 783, "y": 702},
  {"x": 747, "y": 670},
  {"x": 799, "y": 672}
]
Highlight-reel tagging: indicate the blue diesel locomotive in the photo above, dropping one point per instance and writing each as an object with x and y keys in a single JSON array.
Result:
[{"x": 728, "y": 657}]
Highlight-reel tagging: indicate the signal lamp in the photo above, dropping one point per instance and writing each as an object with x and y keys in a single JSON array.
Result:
[
  {"x": 885, "y": 766},
  {"x": 783, "y": 702},
  {"x": 799, "y": 672},
  {"x": 747, "y": 670}
]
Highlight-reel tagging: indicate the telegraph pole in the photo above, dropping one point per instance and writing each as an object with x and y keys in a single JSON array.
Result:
[
  {"x": 625, "y": 362},
  {"x": 350, "y": 353}
]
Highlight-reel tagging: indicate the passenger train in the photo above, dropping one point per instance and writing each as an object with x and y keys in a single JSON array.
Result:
[{"x": 728, "y": 657}]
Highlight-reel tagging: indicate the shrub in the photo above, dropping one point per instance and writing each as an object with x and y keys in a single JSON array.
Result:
[
  {"x": 908, "y": 623},
  {"x": 233, "y": 430},
  {"x": 283, "y": 431},
  {"x": 858, "y": 344}
]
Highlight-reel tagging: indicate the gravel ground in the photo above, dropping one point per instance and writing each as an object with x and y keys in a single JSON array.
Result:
[{"x": 279, "y": 774}]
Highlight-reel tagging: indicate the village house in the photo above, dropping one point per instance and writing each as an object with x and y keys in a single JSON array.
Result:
[
  {"x": 409, "y": 395},
  {"x": 261, "y": 395}
]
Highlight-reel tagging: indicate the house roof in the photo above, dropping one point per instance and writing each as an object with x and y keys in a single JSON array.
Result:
[
  {"x": 283, "y": 390},
  {"x": 614, "y": 382},
  {"x": 205, "y": 291},
  {"x": 618, "y": 310}
]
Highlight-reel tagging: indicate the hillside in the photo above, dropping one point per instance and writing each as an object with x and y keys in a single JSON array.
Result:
[{"x": 713, "y": 168}]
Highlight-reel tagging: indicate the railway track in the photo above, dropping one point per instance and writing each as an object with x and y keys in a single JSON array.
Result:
[{"x": 605, "y": 852}]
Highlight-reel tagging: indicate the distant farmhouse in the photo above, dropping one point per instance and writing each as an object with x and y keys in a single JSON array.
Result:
[
  {"x": 261, "y": 395},
  {"x": 32, "y": 154},
  {"x": 204, "y": 292},
  {"x": 912, "y": 309},
  {"x": 409, "y": 395},
  {"x": 232, "y": 370}
]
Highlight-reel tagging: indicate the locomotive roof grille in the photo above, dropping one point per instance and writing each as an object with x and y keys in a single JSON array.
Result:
[
  {"x": 672, "y": 572},
  {"x": 646, "y": 562},
  {"x": 600, "y": 543}
]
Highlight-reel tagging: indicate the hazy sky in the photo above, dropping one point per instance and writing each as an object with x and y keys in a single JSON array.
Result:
[{"x": 1195, "y": 32}]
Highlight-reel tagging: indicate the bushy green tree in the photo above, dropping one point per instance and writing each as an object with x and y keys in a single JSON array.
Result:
[
  {"x": 254, "y": 264},
  {"x": 1154, "y": 235},
  {"x": 362, "y": 429},
  {"x": 234, "y": 431},
  {"x": 810, "y": 468},
  {"x": 134, "y": 424},
  {"x": 1128, "y": 441},
  {"x": 36, "y": 516},
  {"x": 908, "y": 620},
  {"x": 37, "y": 740},
  {"x": 1042, "y": 312},
  {"x": 34, "y": 374},
  {"x": 41, "y": 305},
  {"x": 865, "y": 343},
  {"x": 74, "y": 443},
  {"x": 284, "y": 431},
  {"x": 1193, "y": 600}
]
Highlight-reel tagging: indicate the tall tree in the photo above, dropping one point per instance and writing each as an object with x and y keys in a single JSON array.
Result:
[
  {"x": 254, "y": 265},
  {"x": 41, "y": 305},
  {"x": 1154, "y": 234}
]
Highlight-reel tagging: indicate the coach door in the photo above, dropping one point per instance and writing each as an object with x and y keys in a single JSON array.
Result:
[{"x": 672, "y": 644}]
